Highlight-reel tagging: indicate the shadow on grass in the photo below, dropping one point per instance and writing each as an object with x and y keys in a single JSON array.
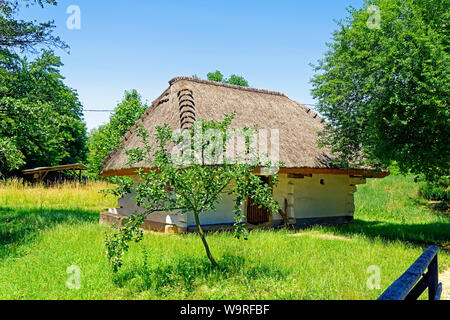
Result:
[
  {"x": 187, "y": 273},
  {"x": 430, "y": 206},
  {"x": 421, "y": 234},
  {"x": 19, "y": 226}
]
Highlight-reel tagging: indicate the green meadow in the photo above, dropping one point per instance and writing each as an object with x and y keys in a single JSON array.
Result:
[{"x": 44, "y": 231}]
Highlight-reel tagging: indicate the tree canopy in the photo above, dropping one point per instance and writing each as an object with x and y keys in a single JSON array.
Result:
[
  {"x": 234, "y": 79},
  {"x": 384, "y": 89},
  {"x": 26, "y": 35},
  {"x": 41, "y": 118},
  {"x": 107, "y": 137}
]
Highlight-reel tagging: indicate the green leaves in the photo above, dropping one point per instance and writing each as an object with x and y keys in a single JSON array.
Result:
[
  {"x": 39, "y": 112},
  {"x": 237, "y": 81},
  {"x": 10, "y": 157},
  {"x": 215, "y": 76},
  {"x": 41, "y": 118},
  {"x": 234, "y": 79},
  {"x": 385, "y": 91},
  {"x": 26, "y": 35},
  {"x": 107, "y": 137},
  {"x": 117, "y": 244}
]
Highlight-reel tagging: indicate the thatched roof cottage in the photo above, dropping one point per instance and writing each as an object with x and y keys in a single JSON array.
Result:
[{"x": 311, "y": 190}]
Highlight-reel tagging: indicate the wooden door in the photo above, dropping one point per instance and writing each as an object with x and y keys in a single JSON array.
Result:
[{"x": 257, "y": 215}]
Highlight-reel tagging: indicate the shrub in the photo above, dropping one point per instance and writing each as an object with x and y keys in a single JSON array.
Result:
[
  {"x": 433, "y": 191},
  {"x": 441, "y": 206}
]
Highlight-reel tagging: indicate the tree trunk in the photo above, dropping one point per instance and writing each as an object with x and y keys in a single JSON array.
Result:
[{"x": 202, "y": 236}]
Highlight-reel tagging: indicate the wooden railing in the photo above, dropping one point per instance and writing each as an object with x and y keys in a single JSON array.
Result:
[{"x": 415, "y": 281}]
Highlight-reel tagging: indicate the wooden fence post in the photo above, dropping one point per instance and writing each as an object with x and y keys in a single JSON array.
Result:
[
  {"x": 433, "y": 278},
  {"x": 415, "y": 281}
]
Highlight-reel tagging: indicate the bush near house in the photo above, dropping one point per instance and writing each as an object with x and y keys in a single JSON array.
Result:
[
  {"x": 436, "y": 192},
  {"x": 433, "y": 192}
]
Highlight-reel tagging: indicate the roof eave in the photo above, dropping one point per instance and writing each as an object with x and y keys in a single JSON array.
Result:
[{"x": 366, "y": 173}]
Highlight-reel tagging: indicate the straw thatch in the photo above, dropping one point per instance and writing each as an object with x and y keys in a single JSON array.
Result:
[{"x": 189, "y": 99}]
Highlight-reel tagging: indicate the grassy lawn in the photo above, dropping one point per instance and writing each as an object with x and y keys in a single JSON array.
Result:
[
  {"x": 44, "y": 231},
  {"x": 391, "y": 208}
]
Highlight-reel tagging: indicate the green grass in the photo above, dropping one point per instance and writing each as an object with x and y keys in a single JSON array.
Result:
[
  {"x": 44, "y": 231},
  {"x": 26, "y": 212},
  {"x": 392, "y": 209}
]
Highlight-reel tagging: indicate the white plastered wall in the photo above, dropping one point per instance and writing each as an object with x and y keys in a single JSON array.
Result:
[
  {"x": 222, "y": 216},
  {"x": 306, "y": 198},
  {"x": 127, "y": 206}
]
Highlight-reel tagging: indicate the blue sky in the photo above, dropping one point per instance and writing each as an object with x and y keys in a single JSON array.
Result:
[{"x": 142, "y": 44}]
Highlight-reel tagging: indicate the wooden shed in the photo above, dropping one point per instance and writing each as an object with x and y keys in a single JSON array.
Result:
[{"x": 56, "y": 174}]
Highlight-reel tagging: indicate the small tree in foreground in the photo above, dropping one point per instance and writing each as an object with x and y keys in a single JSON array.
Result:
[{"x": 191, "y": 178}]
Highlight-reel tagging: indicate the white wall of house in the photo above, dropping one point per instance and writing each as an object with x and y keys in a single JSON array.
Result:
[
  {"x": 223, "y": 215},
  {"x": 309, "y": 198},
  {"x": 127, "y": 206},
  {"x": 318, "y": 196}
]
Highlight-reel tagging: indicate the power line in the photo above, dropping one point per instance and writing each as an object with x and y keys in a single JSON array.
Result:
[
  {"x": 98, "y": 110},
  {"x": 109, "y": 111}
]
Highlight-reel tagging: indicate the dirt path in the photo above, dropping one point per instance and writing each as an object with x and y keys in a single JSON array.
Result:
[
  {"x": 321, "y": 236},
  {"x": 445, "y": 279}
]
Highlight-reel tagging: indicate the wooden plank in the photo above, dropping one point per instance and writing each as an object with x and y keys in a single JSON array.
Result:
[
  {"x": 57, "y": 168},
  {"x": 351, "y": 172},
  {"x": 433, "y": 278},
  {"x": 438, "y": 292},
  {"x": 42, "y": 176},
  {"x": 298, "y": 176},
  {"x": 357, "y": 180},
  {"x": 400, "y": 289},
  {"x": 417, "y": 291}
]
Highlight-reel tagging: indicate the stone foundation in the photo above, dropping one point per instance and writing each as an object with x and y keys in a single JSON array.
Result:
[{"x": 108, "y": 218}]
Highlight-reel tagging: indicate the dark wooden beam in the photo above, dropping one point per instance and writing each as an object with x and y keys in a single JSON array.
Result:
[
  {"x": 297, "y": 171},
  {"x": 405, "y": 285}
]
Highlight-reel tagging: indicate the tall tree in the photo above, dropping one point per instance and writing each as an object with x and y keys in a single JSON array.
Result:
[
  {"x": 10, "y": 156},
  {"x": 215, "y": 76},
  {"x": 25, "y": 35},
  {"x": 41, "y": 118},
  {"x": 384, "y": 88},
  {"x": 234, "y": 79},
  {"x": 107, "y": 137}
]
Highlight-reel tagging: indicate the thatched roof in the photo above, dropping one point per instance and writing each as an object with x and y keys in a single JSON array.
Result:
[{"x": 189, "y": 99}]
